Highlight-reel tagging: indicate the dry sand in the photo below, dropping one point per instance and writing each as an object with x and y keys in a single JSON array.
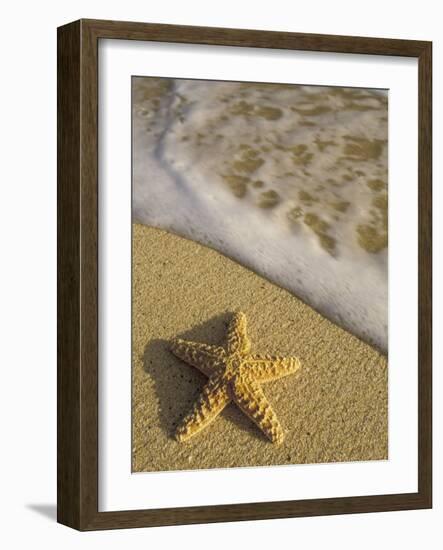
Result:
[{"x": 334, "y": 409}]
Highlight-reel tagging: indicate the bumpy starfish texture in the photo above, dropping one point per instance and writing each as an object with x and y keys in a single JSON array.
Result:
[{"x": 234, "y": 375}]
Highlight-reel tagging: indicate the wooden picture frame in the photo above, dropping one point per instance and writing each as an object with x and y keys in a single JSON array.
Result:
[{"x": 77, "y": 456}]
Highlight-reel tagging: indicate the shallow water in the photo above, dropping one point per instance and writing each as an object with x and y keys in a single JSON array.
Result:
[{"x": 289, "y": 180}]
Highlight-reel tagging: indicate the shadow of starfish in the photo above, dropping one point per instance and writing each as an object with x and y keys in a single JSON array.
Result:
[{"x": 178, "y": 384}]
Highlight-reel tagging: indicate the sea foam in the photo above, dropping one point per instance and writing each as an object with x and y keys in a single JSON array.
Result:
[{"x": 288, "y": 180}]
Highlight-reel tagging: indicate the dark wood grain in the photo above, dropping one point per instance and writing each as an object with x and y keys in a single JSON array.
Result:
[
  {"x": 77, "y": 172},
  {"x": 425, "y": 274},
  {"x": 254, "y": 38},
  {"x": 68, "y": 276}
]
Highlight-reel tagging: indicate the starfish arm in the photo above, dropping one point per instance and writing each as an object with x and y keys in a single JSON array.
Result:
[
  {"x": 212, "y": 400},
  {"x": 204, "y": 357},
  {"x": 252, "y": 401},
  {"x": 238, "y": 340},
  {"x": 264, "y": 368}
]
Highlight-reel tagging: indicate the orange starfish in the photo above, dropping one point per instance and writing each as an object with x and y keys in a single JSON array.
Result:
[{"x": 234, "y": 375}]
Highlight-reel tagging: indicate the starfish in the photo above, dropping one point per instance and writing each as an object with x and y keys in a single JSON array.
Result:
[{"x": 234, "y": 375}]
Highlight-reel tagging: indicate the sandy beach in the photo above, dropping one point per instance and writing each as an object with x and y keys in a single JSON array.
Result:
[{"x": 333, "y": 409}]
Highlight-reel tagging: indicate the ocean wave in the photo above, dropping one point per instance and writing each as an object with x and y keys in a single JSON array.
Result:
[{"x": 288, "y": 180}]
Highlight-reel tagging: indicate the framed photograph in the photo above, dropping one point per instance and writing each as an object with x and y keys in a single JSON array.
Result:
[{"x": 244, "y": 274}]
